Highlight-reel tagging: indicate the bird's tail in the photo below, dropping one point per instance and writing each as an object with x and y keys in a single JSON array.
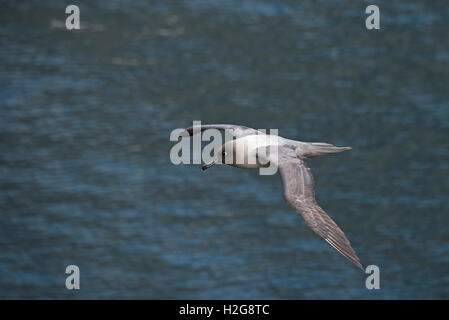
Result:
[{"x": 314, "y": 149}]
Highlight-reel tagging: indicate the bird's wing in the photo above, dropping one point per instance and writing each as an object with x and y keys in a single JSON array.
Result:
[
  {"x": 297, "y": 181},
  {"x": 236, "y": 131}
]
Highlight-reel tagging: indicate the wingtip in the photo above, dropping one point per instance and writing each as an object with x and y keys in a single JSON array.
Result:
[
  {"x": 190, "y": 131},
  {"x": 350, "y": 256},
  {"x": 185, "y": 133},
  {"x": 356, "y": 262}
]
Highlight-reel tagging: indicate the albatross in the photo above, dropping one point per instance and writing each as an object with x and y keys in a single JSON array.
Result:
[{"x": 296, "y": 176}]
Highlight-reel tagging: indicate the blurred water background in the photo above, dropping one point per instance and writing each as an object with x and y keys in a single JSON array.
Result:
[{"x": 85, "y": 176}]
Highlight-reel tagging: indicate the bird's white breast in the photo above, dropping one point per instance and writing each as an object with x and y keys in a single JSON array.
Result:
[{"x": 246, "y": 149}]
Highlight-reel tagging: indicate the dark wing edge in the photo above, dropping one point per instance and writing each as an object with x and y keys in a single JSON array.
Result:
[
  {"x": 237, "y": 131},
  {"x": 297, "y": 181}
]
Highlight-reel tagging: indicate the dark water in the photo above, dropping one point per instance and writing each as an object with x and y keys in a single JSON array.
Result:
[{"x": 85, "y": 175}]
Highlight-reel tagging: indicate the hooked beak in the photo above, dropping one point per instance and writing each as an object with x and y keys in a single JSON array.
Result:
[{"x": 207, "y": 166}]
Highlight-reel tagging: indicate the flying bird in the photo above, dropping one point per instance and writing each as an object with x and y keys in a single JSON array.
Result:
[{"x": 255, "y": 149}]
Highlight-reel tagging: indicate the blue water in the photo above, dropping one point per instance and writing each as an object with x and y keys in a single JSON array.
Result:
[{"x": 85, "y": 174}]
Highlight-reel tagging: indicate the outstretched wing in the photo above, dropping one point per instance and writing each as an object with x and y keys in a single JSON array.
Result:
[
  {"x": 297, "y": 181},
  {"x": 236, "y": 131}
]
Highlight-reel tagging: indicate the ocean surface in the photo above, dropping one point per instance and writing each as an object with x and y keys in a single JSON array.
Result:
[{"x": 85, "y": 171}]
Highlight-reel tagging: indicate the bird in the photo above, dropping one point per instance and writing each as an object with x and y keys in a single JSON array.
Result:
[{"x": 256, "y": 149}]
